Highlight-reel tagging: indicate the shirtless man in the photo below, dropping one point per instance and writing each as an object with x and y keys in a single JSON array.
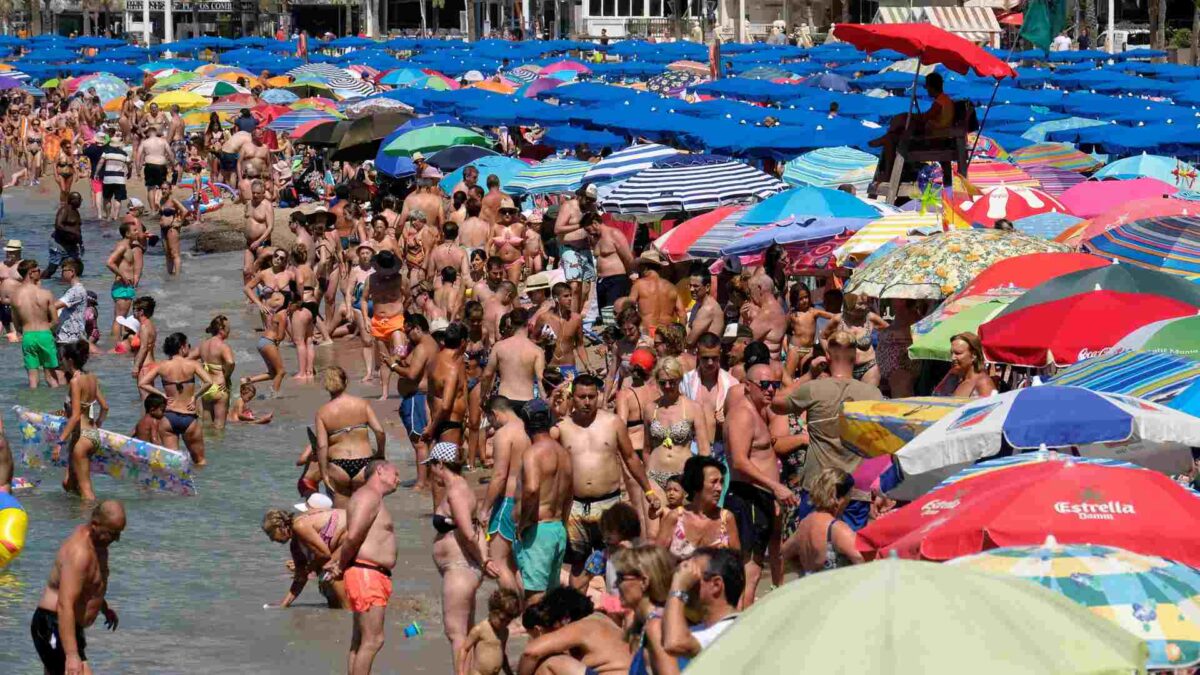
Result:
[
  {"x": 384, "y": 293},
  {"x": 575, "y": 239},
  {"x": 229, "y": 157},
  {"x": 490, "y": 283},
  {"x": 545, "y": 484},
  {"x": 600, "y": 453},
  {"x": 448, "y": 388},
  {"x": 497, "y": 508},
  {"x": 765, "y": 315},
  {"x": 517, "y": 361},
  {"x": 447, "y": 254},
  {"x": 706, "y": 315},
  {"x": 74, "y": 593},
  {"x": 448, "y": 295},
  {"x": 365, "y": 561},
  {"x": 412, "y": 387},
  {"x": 34, "y": 313},
  {"x": 614, "y": 263},
  {"x": 475, "y": 232},
  {"x": 470, "y": 178},
  {"x": 125, "y": 263},
  {"x": 155, "y": 158},
  {"x": 656, "y": 298},
  {"x": 575, "y": 639},
  {"x": 756, "y": 494},
  {"x": 566, "y": 325},
  {"x": 10, "y": 281},
  {"x": 260, "y": 222},
  {"x": 426, "y": 199},
  {"x": 254, "y": 154},
  {"x": 495, "y": 307},
  {"x": 802, "y": 331},
  {"x": 489, "y": 206}
]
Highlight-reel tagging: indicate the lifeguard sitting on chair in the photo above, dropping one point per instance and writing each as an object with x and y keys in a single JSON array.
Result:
[{"x": 939, "y": 117}]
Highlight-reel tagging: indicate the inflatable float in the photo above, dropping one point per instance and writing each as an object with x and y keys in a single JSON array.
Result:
[
  {"x": 13, "y": 524},
  {"x": 121, "y": 457},
  {"x": 211, "y": 195}
]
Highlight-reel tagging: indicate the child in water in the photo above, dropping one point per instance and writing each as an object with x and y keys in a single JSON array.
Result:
[
  {"x": 241, "y": 412},
  {"x": 484, "y": 652},
  {"x": 147, "y": 428}
]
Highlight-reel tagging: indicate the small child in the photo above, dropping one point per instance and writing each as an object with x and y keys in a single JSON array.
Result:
[
  {"x": 484, "y": 652},
  {"x": 675, "y": 493},
  {"x": 147, "y": 428},
  {"x": 241, "y": 412}
]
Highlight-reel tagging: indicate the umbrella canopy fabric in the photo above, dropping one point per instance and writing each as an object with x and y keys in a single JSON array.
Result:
[
  {"x": 1046, "y": 225},
  {"x": 362, "y": 137},
  {"x": 214, "y": 88},
  {"x": 1169, "y": 336},
  {"x": 1169, "y": 170},
  {"x": 279, "y": 96},
  {"x": 554, "y": 176},
  {"x": 504, "y": 168},
  {"x": 624, "y": 163},
  {"x": 323, "y": 132},
  {"x": 1057, "y": 155},
  {"x": 705, "y": 235},
  {"x": 939, "y": 265},
  {"x": 1135, "y": 210},
  {"x": 690, "y": 183},
  {"x": 984, "y": 173},
  {"x": 1062, "y": 332},
  {"x": 1054, "y": 181},
  {"x": 806, "y": 202},
  {"x": 891, "y": 227},
  {"x": 1095, "y": 197},
  {"x": 1152, "y": 375},
  {"x": 1012, "y": 203},
  {"x": 876, "y": 428},
  {"x": 927, "y": 43},
  {"x": 832, "y": 168},
  {"x": 1154, "y": 599},
  {"x": 1170, "y": 244},
  {"x": 375, "y": 105},
  {"x": 916, "y": 605},
  {"x": 186, "y": 100},
  {"x": 1077, "y": 502},
  {"x": 456, "y": 156},
  {"x": 1112, "y": 277},
  {"x": 431, "y": 139},
  {"x": 288, "y": 122}
]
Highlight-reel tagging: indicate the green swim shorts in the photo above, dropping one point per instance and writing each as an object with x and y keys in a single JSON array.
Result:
[
  {"x": 39, "y": 350},
  {"x": 540, "y": 552},
  {"x": 122, "y": 291}
]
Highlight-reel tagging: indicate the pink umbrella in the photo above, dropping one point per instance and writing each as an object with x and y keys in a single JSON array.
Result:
[
  {"x": 1012, "y": 203},
  {"x": 565, "y": 64},
  {"x": 541, "y": 84},
  {"x": 1138, "y": 209},
  {"x": 1055, "y": 181},
  {"x": 1095, "y": 197},
  {"x": 450, "y": 81}
]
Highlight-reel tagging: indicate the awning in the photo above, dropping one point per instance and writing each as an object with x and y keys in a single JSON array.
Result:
[
  {"x": 977, "y": 24},
  {"x": 899, "y": 15},
  {"x": 993, "y": 4}
]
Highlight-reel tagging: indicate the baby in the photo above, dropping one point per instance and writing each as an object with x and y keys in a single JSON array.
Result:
[
  {"x": 241, "y": 412},
  {"x": 484, "y": 650}
]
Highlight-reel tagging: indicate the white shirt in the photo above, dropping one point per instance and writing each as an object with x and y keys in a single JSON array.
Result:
[
  {"x": 1062, "y": 43},
  {"x": 708, "y": 634}
]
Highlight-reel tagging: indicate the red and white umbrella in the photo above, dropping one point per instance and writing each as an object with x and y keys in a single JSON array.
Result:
[{"x": 1012, "y": 203}]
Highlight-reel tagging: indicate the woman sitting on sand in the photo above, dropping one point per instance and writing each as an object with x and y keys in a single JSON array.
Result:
[
  {"x": 343, "y": 445},
  {"x": 312, "y": 537}
]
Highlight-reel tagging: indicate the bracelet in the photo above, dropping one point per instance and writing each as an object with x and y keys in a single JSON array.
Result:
[{"x": 681, "y": 595}]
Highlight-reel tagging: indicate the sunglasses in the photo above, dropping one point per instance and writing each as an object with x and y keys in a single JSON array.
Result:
[{"x": 771, "y": 385}]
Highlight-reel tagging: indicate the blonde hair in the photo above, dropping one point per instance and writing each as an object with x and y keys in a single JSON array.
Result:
[
  {"x": 843, "y": 338},
  {"x": 334, "y": 380},
  {"x": 653, "y": 563},
  {"x": 829, "y": 489},
  {"x": 669, "y": 367},
  {"x": 275, "y": 520},
  {"x": 973, "y": 343},
  {"x": 674, "y": 336}
]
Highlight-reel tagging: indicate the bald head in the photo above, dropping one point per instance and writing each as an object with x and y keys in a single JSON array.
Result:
[
  {"x": 759, "y": 372},
  {"x": 763, "y": 283},
  {"x": 108, "y": 520}
]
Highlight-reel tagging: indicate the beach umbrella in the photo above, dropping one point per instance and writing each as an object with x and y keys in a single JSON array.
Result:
[
  {"x": 402, "y": 77},
  {"x": 705, "y": 235},
  {"x": 1056, "y": 155},
  {"x": 495, "y": 86},
  {"x": 1129, "y": 212},
  {"x": 813, "y": 238},
  {"x": 233, "y": 102},
  {"x": 1153, "y": 375},
  {"x": 215, "y": 88},
  {"x": 456, "y": 156},
  {"x": 289, "y": 121},
  {"x": 350, "y": 87},
  {"x": 319, "y": 132},
  {"x": 186, "y": 100},
  {"x": 983, "y": 173},
  {"x": 1054, "y": 181},
  {"x": 870, "y": 238},
  {"x": 673, "y": 82},
  {"x": 1046, "y": 225},
  {"x": 553, "y": 176},
  {"x": 174, "y": 81},
  {"x": 832, "y": 168},
  {"x": 939, "y": 265},
  {"x": 431, "y": 139},
  {"x": 985, "y": 147},
  {"x": 901, "y": 612},
  {"x": 807, "y": 201},
  {"x": 1112, "y": 277},
  {"x": 1154, "y": 599},
  {"x": 1170, "y": 244},
  {"x": 1038, "y": 132},
  {"x": 363, "y": 136},
  {"x": 318, "y": 71},
  {"x": 50, "y": 55},
  {"x": 267, "y": 112},
  {"x": 690, "y": 183},
  {"x": 564, "y": 65},
  {"x": 279, "y": 96},
  {"x": 1020, "y": 505},
  {"x": 7, "y": 83},
  {"x": 1170, "y": 336},
  {"x": 1012, "y": 203},
  {"x": 1094, "y": 197},
  {"x": 535, "y": 87},
  {"x": 627, "y": 162},
  {"x": 376, "y": 105},
  {"x": 927, "y": 44},
  {"x": 315, "y": 103},
  {"x": 877, "y": 428},
  {"x": 1169, "y": 170},
  {"x": 504, "y": 168},
  {"x": 687, "y": 66}
]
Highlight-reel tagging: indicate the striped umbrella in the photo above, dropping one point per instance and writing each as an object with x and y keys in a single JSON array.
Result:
[
  {"x": 1130, "y": 211},
  {"x": 832, "y": 167},
  {"x": 624, "y": 163},
  {"x": 279, "y": 96},
  {"x": 870, "y": 238},
  {"x": 690, "y": 183},
  {"x": 554, "y": 176},
  {"x": 705, "y": 235},
  {"x": 289, "y": 122},
  {"x": 1046, "y": 225},
  {"x": 985, "y": 147},
  {"x": 1155, "y": 599},
  {"x": 1054, "y": 181},
  {"x": 1056, "y": 155},
  {"x": 1170, "y": 244},
  {"x": 875, "y": 428},
  {"x": 983, "y": 174},
  {"x": 1179, "y": 336},
  {"x": 350, "y": 87},
  {"x": 318, "y": 71},
  {"x": 1154, "y": 376}
]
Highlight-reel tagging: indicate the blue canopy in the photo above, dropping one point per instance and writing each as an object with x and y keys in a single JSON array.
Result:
[
  {"x": 568, "y": 137},
  {"x": 50, "y": 55},
  {"x": 351, "y": 41},
  {"x": 802, "y": 230},
  {"x": 807, "y": 201}
]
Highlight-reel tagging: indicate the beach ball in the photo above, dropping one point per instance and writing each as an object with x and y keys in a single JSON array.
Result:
[{"x": 13, "y": 524}]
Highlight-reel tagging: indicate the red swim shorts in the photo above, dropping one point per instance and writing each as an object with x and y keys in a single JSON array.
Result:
[{"x": 367, "y": 587}]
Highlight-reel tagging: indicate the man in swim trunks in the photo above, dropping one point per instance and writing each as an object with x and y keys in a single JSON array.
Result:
[
  {"x": 575, "y": 239},
  {"x": 614, "y": 263},
  {"x": 74, "y": 594},
  {"x": 10, "y": 281},
  {"x": 497, "y": 506},
  {"x": 260, "y": 222},
  {"x": 517, "y": 361},
  {"x": 66, "y": 242},
  {"x": 386, "y": 294},
  {"x": 545, "y": 495},
  {"x": 156, "y": 158},
  {"x": 475, "y": 231},
  {"x": 564, "y": 327},
  {"x": 125, "y": 262},
  {"x": 413, "y": 374},
  {"x": 34, "y": 313},
  {"x": 448, "y": 388},
  {"x": 229, "y": 157},
  {"x": 656, "y": 298},
  {"x": 601, "y": 452},
  {"x": 365, "y": 561}
]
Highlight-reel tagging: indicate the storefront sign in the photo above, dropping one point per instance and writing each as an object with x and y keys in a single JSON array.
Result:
[{"x": 135, "y": 6}]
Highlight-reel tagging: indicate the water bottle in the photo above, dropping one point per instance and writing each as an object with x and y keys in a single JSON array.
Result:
[{"x": 412, "y": 630}]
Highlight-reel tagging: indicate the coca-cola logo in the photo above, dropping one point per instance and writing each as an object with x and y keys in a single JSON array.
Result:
[{"x": 938, "y": 505}]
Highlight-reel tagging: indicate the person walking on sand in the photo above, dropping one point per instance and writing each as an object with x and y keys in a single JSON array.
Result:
[
  {"x": 365, "y": 561},
  {"x": 544, "y": 505}
]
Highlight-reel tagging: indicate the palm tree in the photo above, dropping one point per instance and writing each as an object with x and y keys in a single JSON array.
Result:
[
  {"x": 1090, "y": 20},
  {"x": 35, "y": 17},
  {"x": 1157, "y": 32}
]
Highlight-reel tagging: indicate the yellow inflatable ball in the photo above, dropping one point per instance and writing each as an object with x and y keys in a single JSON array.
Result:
[{"x": 13, "y": 524}]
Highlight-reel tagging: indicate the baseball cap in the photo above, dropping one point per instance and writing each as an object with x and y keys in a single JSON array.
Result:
[
  {"x": 442, "y": 452},
  {"x": 537, "y": 282},
  {"x": 438, "y": 325},
  {"x": 135, "y": 203},
  {"x": 13, "y": 245},
  {"x": 643, "y": 358}
]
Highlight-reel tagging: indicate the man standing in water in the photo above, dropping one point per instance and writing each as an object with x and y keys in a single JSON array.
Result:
[
  {"x": 517, "y": 361},
  {"x": 66, "y": 242},
  {"x": 74, "y": 594},
  {"x": 10, "y": 281},
  {"x": 365, "y": 560},
  {"x": 33, "y": 308},
  {"x": 260, "y": 222},
  {"x": 413, "y": 373},
  {"x": 125, "y": 263},
  {"x": 155, "y": 158},
  {"x": 546, "y": 478},
  {"x": 448, "y": 389},
  {"x": 497, "y": 506},
  {"x": 384, "y": 295}
]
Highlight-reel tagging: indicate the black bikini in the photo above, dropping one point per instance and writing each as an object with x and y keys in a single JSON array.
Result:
[
  {"x": 443, "y": 524},
  {"x": 351, "y": 466}
]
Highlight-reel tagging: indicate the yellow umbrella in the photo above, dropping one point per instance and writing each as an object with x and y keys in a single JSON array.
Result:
[
  {"x": 186, "y": 100},
  {"x": 874, "y": 428},
  {"x": 879, "y": 232},
  {"x": 279, "y": 81}
]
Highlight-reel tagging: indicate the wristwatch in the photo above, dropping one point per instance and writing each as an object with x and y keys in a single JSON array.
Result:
[{"x": 682, "y": 595}]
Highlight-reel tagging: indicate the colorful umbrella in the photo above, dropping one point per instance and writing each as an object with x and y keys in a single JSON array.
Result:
[
  {"x": 289, "y": 122},
  {"x": 705, "y": 235},
  {"x": 375, "y": 105},
  {"x": 875, "y": 428},
  {"x": 174, "y": 81},
  {"x": 429, "y": 139},
  {"x": 1037, "y": 133},
  {"x": 1056, "y": 155},
  {"x": 1152, "y": 375},
  {"x": 554, "y": 176},
  {"x": 315, "y": 103},
  {"x": 624, "y": 163},
  {"x": 898, "y": 225},
  {"x": 874, "y": 617},
  {"x": 1111, "y": 277},
  {"x": 566, "y": 64},
  {"x": 214, "y": 88},
  {"x": 1077, "y": 502},
  {"x": 320, "y": 132},
  {"x": 1170, "y": 244},
  {"x": 813, "y": 255},
  {"x": 1095, "y": 197},
  {"x": 1169, "y": 170},
  {"x": 929, "y": 44},
  {"x": 456, "y": 156},
  {"x": 403, "y": 77},
  {"x": 985, "y": 146},
  {"x": 1054, "y": 181},
  {"x": 1064, "y": 331},
  {"x": 1012, "y": 203},
  {"x": 1046, "y": 225},
  {"x": 496, "y": 86},
  {"x": 279, "y": 96},
  {"x": 1132, "y": 211},
  {"x": 1170, "y": 336},
  {"x": 807, "y": 201},
  {"x": 990, "y": 174},
  {"x": 690, "y": 183},
  {"x": 673, "y": 82},
  {"x": 186, "y": 100},
  {"x": 537, "y": 86},
  {"x": 832, "y": 168},
  {"x": 107, "y": 87},
  {"x": 1156, "y": 600},
  {"x": 939, "y": 265}
]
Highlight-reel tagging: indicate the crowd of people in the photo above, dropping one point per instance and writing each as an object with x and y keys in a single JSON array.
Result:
[{"x": 658, "y": 437}]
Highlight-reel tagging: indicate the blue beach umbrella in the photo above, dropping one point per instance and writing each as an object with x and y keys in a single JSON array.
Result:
[
  {"x": 554, "y": 176},
  {"x": 1169, "y": 244},
  {"x": 807, "y": 201},
  {"x": 1169, "y": 170},
  {"x": 805, "y": 230},
  {"x": 51, "y": 55},
  {"x": 504, "y": 168},
  {"x": 832, "y": 167},
  {"x": 279, "y": 96},
  {"x": 624, "y": 163},
  {"x": 1046, "y": 225},
  {"x": 1154, "y": 376}
]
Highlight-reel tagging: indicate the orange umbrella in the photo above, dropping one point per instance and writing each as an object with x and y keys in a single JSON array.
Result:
[
  {"x": 493, "y": 85},
  {"x": 279, "y": 81},
  {"x": 115, "y": 104}
]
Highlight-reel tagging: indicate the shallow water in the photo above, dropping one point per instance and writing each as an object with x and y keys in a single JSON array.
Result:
[{"x": 190, "y": 575}]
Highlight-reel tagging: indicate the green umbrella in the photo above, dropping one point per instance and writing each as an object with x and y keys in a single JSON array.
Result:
[
  {"x": 429, "y": 139},
  {"x": 931, "y": 336},
  {"x": 174, "y": 81},
  {"x": 902, "y": 616},
  {"x": 1172, "y": 336}
]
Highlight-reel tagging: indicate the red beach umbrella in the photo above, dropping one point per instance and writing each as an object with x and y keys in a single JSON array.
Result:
[
  {"x": 1027, "y": 271},
  {"x": 1012, "y": 203},
  {"x": 928, "y": 43}
]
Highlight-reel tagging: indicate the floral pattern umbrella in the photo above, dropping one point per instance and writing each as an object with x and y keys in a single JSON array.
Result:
[
  {"x": 674, "y": 81},
  {"x": 937, "y": 266}
]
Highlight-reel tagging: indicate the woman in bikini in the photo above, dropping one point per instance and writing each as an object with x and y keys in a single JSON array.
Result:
[
  {"x": 64, "y": 169},
  {"x": 968, "y": 376},
  {"x": 172, "y": 216},
  {"x": 273, "y": 276},
  {"x": 86, "y": 410},
  {"x": 630, "y": 407},
  {"x": 215, "y": 136},
  {"x": 671, "y": 429},
  {"x": 822, "y": 542},
  {"x": 33, "y": 150},
  {"x": 702, "y": 522},
  {"x": 278, "y": 312},
  {"x": 343, "y": 442},
  {"x": 857, "y": 319},
  {"x": 312, "y": 537},
  {"x": 414, "y": 250},
  {"x": 217, "y": 358},
  {"x": 305, "y": 319},
  {"x": 508, "y": 242},
  {"x": 179, "y": 373},
  {"x": 643, "y": 584}
]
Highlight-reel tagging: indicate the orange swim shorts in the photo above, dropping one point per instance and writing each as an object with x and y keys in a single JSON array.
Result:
[
  {"x": 367, "y": 586},
  {"x": 383, "y": 327}
]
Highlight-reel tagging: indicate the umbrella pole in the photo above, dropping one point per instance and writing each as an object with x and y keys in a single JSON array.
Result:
[
  {"x": 912, "y": 101},
  {"x": 991, "y": 100}
]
